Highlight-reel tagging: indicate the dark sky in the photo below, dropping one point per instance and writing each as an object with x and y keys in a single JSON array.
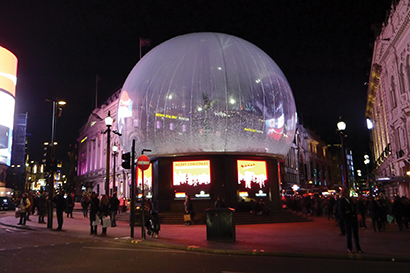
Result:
[{"x": 321, "y": 46}]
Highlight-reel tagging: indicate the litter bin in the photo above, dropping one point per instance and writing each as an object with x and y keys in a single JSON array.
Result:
[{"x": 220, "y": 225}]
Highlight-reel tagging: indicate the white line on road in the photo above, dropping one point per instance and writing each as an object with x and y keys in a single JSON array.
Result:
[{"x": 137, "y": 250}]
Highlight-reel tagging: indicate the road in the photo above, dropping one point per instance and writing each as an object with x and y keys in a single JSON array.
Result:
[{"x": 51, "y": 251}]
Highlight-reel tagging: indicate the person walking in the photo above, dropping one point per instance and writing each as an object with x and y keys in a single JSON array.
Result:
[
  {"x": 398, "y": 210},
  {"x": 70, "y": 205},
  {"x": 348, "y": 213},
  {"x": 338, "y": 219},
  {"x": 189, "y": 209},
  {"x": 94, "y": 208},
  {"x": 114, "y": 203},
  {"x": 219, "y": 203},
  {"x": 103, "y": 213},
  {"x": 24, "y": 207},
  {"x": 60, "y": 204},
  {"x": 41, "y": 207},
  {"x": 30, "y": 209},
  {"x": 362, "y": 209},
  {"x": 85, "y": 203}
]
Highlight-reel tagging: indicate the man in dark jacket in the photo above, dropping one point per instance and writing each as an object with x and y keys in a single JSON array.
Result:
[
  {"x": 114, "y": 203},
  {"x": 60, "y": 204},
  {"x": 348, "y": 213}
]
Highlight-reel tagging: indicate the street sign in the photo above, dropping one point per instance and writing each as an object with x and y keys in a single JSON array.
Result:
[{"x": 143, "y": 162}]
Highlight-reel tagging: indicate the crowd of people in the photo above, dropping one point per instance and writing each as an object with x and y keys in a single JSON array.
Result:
[
  {"x": 101, "y": 211},
  {"x": 379, "y": 209}
]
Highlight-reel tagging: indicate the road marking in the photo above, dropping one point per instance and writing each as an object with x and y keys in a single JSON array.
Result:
[{"x": 136, "y": 250}]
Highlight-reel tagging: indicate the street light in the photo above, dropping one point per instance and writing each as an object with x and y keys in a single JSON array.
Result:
[
  {"x": 114, "y": 155},
  {"x": 108, "y": 122},
  {"x": 50, "y": 186},
  {"x": 341, "y": 126}
]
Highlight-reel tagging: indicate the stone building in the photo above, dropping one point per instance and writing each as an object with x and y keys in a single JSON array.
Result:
[{"x": 388, "y": 101}]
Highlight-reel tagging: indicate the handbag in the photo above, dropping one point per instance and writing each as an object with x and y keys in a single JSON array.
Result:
[
  {"x": 187, "y": 217},
  {"x": 106, "y": 222},
  {"x": 96, "y": 221},
  {"x": 17, "y": 213}
]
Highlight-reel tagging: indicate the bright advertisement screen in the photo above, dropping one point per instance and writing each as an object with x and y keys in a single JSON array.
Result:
[
  {"x": 192, "y": 178},
  {"x": 8, "y": 71},
  {"x": 7, "y": 103},
  {"x": 147, "y": 181},
  {"x": 252, "y": 177}
]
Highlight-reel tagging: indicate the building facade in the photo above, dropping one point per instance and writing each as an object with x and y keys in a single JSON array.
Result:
[
  {"x": 388, "y": 102},
  {"x": 92, "y": 153}
]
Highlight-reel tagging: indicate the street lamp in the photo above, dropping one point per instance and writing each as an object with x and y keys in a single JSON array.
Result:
[
  {"x": 114, "y": 155},
  {"x": 108, "y": 122},
  {"x": 50, "y": 186},
  {"x": 341, "y": 126}
]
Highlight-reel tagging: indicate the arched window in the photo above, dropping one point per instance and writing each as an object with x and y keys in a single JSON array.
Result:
[{"x": 393, "y": 99}]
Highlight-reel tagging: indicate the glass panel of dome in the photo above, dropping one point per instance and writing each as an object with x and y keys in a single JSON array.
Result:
[{"x": 219, "y": 92}]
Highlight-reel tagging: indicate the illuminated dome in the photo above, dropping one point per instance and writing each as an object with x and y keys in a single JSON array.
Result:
[{"x": 207, "y": 92}]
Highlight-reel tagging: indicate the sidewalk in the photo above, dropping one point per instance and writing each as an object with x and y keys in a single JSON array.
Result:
[{"x": 316, "y": 239}]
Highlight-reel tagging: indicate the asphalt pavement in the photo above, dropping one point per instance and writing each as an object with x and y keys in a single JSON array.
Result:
[{"x": 318, "y": 238}]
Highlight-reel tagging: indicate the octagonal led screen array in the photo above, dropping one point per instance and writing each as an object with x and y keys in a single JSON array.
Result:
[{"x": 207, "y": 92}]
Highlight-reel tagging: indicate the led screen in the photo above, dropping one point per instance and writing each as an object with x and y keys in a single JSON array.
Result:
[
  {"x": 6, "y": 126},
  {"x": 147, "y": 180},
  {"x": 252, "y": 177},
  {"x": 8, "y": 71},
  {"x": 191, "y": 178}
]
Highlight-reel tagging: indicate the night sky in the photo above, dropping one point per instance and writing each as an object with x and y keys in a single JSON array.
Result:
[{"x": 322, "y": 46}]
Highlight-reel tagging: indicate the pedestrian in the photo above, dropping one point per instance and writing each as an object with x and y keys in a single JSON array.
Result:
[
  {"x": 121, "y": 203},
  {"x": 70, "y": 205},
  {"x": 24, "y": 207},
  {"x": 399, "y": 211},
  {"x": 348, "y": 213},
  {"x": 374, "y": 212},
  {"x": 103, "y": 213},
  {"x": 338, "y": 219},
  {"x": 362, "y": 209},
  {"x": 85, "y": 203},
  {"x": 41, "y": 207},
  {"x": 189, "y": 209},
  {"x": 219, "y": 203},
  {"x": 30, "y": 209},
  {"x": 60, "y": 204},
  {"x": 94, "y": 209},
  {"x": 148, "y": 205},
  {"x": 114, "y": 203}
]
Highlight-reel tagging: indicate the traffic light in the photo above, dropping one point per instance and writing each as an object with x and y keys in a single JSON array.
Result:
[{"x": 126, "y": 161}]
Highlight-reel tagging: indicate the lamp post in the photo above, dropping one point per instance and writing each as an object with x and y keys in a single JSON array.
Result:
[
  {"x": 114, "y": 155},
  {"x": 341, "y": 126},
  {"x": 51, "y": 150},
  {"x": 366, "y": 163},
  {"x": 108, "y": 122}
]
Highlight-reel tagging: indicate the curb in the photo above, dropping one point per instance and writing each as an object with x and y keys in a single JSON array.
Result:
[
  {"x": 362, "y": 257},
  {"x": 255, "y": 252},
  {"x": 17, "y": 226}
]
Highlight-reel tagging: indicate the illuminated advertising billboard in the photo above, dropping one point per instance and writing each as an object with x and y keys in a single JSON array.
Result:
[
  {"x": 252, "y": 177},
  {"x": 192, "y": 178},
  {"x": 6, "y": 126},
  {"x": 147, "y": 181},
  {"x": 8, "y": 80},
  {"x": 8, "y": 71}
]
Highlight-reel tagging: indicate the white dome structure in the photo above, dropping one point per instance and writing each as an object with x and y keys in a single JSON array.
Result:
[{"x": 207, "y": 92}]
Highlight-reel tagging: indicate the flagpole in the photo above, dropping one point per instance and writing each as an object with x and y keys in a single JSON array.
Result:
[
  {"x": 140, "y": 48},
  {"x": 96, "y": 90}
]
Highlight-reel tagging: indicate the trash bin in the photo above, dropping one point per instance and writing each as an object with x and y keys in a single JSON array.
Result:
[{"x": 220, "y": 225}]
